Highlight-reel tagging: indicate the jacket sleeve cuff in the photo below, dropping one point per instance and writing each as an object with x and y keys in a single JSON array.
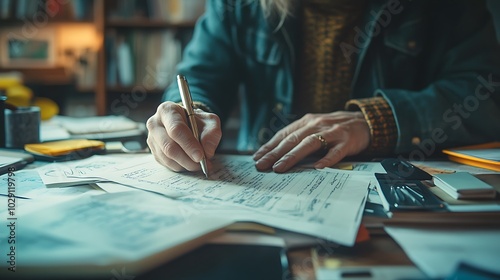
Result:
[{"x": 380, "y": 119}]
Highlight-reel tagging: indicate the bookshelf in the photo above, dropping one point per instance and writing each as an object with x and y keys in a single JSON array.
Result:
[
  {"x": 118, "y": 50},
  {"x": 143, "y": 42}
]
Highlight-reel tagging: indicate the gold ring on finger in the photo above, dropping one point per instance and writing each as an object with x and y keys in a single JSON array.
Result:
[{"x": 324, "y": 144}]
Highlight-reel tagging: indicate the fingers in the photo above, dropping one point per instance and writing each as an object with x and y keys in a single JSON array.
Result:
[
  {"x": 296, "y": 139},
  {"x": 333, "y": 156},
  {"x": 162, "y": 158},
  {"x": 344, "y": 136},
  {"x": 172, "y": 141},
  {"x": 175, "y": 122},
  {"x": 165, "y": 150},
  {"x": 307, "y": 146},
  {"x": 277, "y": 139},
  {"x": 211, "y": 132}
]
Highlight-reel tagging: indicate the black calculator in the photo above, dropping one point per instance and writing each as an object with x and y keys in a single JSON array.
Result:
[{"x": 402, "y": 187}]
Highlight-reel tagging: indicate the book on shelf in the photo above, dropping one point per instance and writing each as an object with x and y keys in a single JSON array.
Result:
[
  {"x": 145, "y": 58},
  {"x": 171, "y": 11},
  {"x": 124, "y": 58},
  {"x": 484, "y": 155},
  {"x": 40, "y": 10}
]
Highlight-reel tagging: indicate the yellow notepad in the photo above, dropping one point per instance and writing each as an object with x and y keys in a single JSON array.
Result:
[
  {"x": 64, "y": 147},
  {"x": 484, "y": 155}
]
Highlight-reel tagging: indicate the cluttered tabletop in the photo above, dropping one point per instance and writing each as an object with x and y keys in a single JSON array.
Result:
[{"x": 112, "y": 211}]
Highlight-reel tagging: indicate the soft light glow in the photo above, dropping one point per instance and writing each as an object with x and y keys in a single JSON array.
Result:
[{"x": 78, "y": 36}]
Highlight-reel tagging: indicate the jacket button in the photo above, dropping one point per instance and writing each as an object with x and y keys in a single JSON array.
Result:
[
  {"x": 412, "y": 44},
  {"x": 415, "y": 140},
  {"x": 278, "y": 106}
]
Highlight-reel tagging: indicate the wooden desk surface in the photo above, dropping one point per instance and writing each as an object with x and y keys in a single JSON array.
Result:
[{"x": 378, "y": 251}]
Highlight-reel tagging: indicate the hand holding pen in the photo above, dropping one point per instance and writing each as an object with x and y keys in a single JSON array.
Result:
[{"x": 178, "y": 144}]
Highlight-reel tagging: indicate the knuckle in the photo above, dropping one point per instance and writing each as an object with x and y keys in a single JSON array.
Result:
[
  {"x": 151, "y": 123},
  {"x": 213, "y": 117},
  {"x": 308, "y": 117},
  {"x": 272, "y": 155},
  {"x": 290, "y": 157},
  {"x": 169, "y": 150},
  {"x": 264, "y": 148},
  {"x": 311, "y": 140},
  {"x": 175, "y": 130},
  {"x": 318, "y": 121},
  {"x": 168, "y": 106},
  {"x": 282, "y": 134},
  {"x": 293, "y": 139}
]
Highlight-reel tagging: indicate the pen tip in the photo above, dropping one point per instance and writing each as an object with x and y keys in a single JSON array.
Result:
[{"x": 204, "y": 167}]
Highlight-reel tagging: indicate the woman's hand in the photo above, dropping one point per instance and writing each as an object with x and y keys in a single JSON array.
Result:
[
  {"x": 340, "y": 133},
  {"x": 172, "y": 142}
]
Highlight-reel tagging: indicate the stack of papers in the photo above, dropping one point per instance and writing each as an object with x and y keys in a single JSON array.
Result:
[
  {"x": 89, "y": 231},
  {"x": 100, "y": 128}
]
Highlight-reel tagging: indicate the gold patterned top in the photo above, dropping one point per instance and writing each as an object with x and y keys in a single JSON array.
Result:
[{"x": 325, "y": 75}]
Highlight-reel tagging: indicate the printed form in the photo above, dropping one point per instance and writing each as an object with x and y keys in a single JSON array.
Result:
[{"x": 327, "y": 204}]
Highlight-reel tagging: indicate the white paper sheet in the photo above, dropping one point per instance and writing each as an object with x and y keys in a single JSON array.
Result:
[
  {"x": 29, "y": 185},
  {"x": 106, "y": 230},
  {"x": 438, "y": 252},
  {"x": 24, "y": 181},
  {"x": 64, "y": 174},
  {"x": 324, "y": 204},
  {"x": 111, "y": 187}
]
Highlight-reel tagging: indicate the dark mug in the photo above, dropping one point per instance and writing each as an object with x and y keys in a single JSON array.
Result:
[{"x": 22, "y": 126}]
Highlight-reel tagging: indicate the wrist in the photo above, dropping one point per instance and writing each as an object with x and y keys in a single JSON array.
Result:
[{"x": 380, "y": 119}]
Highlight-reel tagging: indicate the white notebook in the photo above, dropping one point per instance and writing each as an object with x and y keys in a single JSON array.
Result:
[{"x": 463, "y": 185}]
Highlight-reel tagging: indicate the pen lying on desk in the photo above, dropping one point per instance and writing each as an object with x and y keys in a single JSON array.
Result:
[{"x": 187, "y": 102}]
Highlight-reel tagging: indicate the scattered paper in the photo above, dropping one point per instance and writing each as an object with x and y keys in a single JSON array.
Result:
[
  {"x": 111, "y": 187},
  {"x": 438, "y": 252},
  {"x": 77, "y": 172},
  {"x": 324, "y": 204},
  {"x": 137, "y": 229},
  {"x": 28, "y": 184}
]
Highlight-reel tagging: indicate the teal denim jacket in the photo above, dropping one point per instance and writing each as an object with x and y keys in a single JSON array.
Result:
[{"x": 437, "y": 63}]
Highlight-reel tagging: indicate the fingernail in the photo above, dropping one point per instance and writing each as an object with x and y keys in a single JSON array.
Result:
[
  {"x": 262, "y": 164},
  {"x": 280, "y": 166},
  {"x": 319, "y": 166},
  {"x": 197, "y": 156}
]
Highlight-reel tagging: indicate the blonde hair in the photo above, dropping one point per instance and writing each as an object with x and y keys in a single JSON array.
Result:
[{"x": 282, "y": 8}]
